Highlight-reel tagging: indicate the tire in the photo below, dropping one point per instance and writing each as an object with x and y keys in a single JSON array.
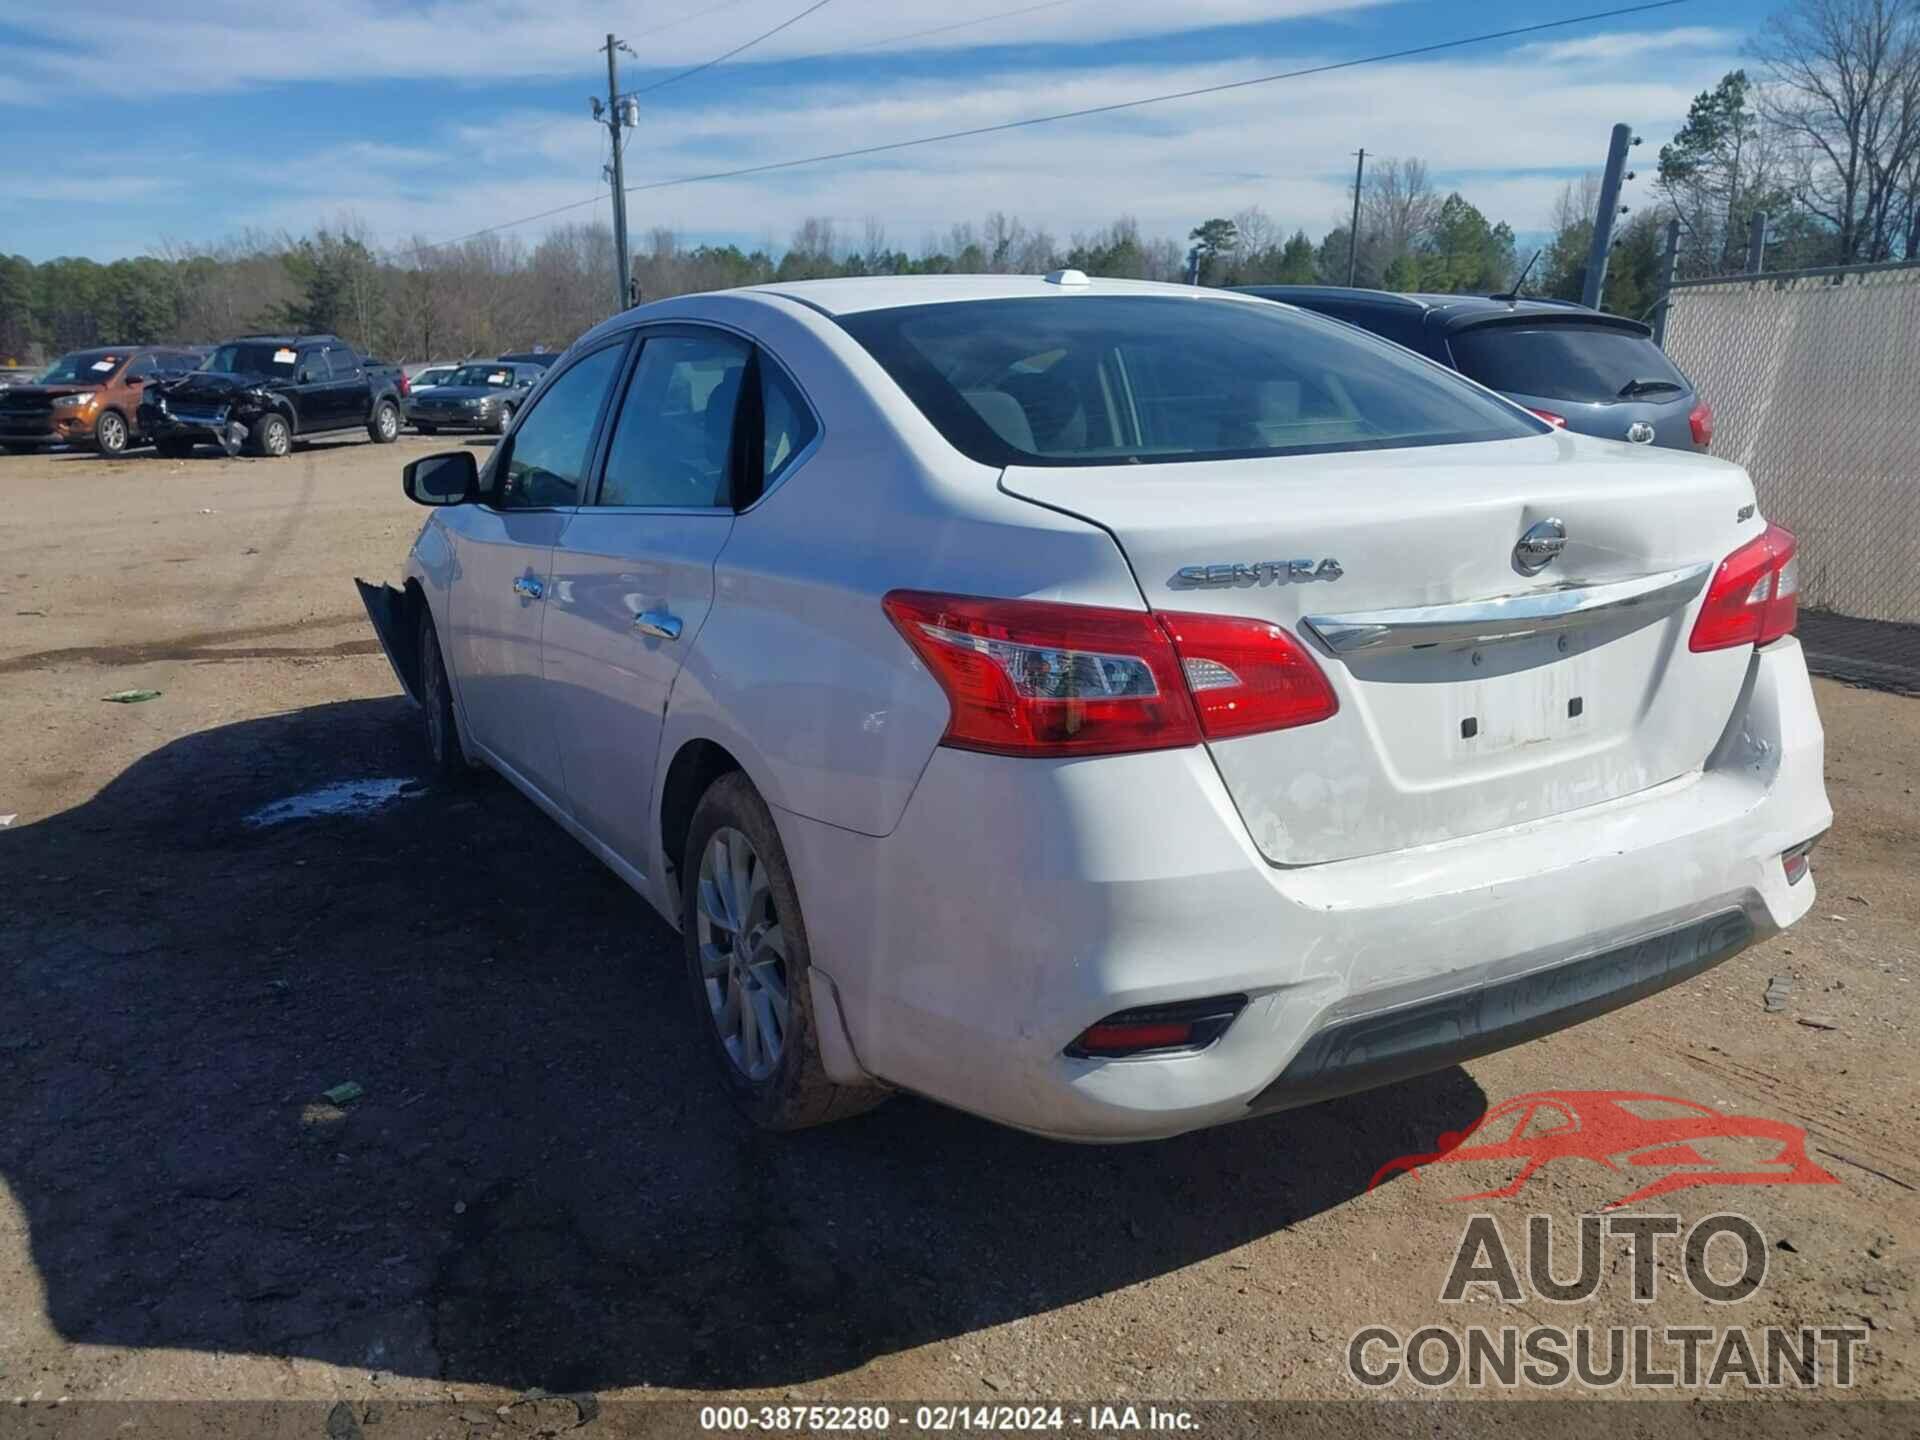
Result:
[
  {"x": 503, "y": 420},
  {"x": 174, "y": 449},
  {"x": 110, "y": 434},
  {"x": 447, "y": 761},
  {"x": 774, "y": 1074},
  {"x": 272, "y": 437},
  {"x": 384, "y": 427}
]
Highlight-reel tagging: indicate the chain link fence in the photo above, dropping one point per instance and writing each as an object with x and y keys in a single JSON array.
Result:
[{"x": 1814, "y": 379}]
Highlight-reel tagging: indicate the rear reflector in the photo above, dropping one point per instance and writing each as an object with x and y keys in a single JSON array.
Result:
[
  {"x": 1186, "y": 1026},
  {"x": 1559, "y": 422},
  {"x": 1029, "y": 677},
  {"x": 1799, "y": 860},
  {"x": 1700, "y": 421},
  {"x": 1755, "y": 595}
]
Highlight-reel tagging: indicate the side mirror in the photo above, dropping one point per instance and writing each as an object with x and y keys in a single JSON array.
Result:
[{"x": 447, "y": 479}]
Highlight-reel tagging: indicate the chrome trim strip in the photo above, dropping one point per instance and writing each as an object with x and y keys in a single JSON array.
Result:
[{"x": 1507, "y": 617}]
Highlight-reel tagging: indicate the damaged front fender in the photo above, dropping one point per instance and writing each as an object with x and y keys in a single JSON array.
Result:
[{"x": 397, "y": 625}]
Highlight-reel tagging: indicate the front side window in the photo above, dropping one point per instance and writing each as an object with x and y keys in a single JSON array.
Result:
[
  {"x": 547, "y": 455},
  {"x": 1134, "y": 379},
  {"x": 673, "y": 446},
  {"x": 1558, "y": 360}
]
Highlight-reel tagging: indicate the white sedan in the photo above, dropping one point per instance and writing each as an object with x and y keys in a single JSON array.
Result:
[{"x": 1113, "y": 708}]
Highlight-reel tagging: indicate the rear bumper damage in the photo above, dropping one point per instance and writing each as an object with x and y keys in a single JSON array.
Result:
[{"x": 1019, "y": 902}]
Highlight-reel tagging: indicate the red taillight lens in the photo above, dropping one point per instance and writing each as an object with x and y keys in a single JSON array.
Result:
[
  {"x": 1247, "y": 676},
  {"x": 1028, "y": 677},
  {"x": 406, "y": 385},
  {"x": 1559, "y": 422},
  {"x": 1700, "y": 421},
  {"x": 1755, "y": 595}
]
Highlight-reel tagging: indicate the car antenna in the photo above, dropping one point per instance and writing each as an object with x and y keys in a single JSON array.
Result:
[{"x": 1514, "y": 294}]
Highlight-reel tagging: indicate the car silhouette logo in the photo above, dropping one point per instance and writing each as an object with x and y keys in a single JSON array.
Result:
[
  {"x": 1624, "y": 1131},
  {"x": 1640, "y": 433}
]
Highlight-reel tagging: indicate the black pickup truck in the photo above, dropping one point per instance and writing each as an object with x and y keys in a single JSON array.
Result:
[{"x": 264, "y": 392}]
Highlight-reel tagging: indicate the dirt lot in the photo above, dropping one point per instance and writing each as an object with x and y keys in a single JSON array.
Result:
[{"x": 541, "y": 1187}]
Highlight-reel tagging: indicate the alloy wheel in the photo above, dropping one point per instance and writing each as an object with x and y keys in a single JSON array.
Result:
[
  {"x": 389, "y": 422},
  {"x": 113, "y": 434},
  {"x": 743, "y": 956}
]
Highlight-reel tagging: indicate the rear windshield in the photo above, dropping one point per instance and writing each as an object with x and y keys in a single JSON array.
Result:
[
  {"x": 1593, "y": 363},
  {"x": 1094, "y": 380}
]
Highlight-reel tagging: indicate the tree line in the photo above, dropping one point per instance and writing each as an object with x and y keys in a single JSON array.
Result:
[{"x": 1821, "y": 135}]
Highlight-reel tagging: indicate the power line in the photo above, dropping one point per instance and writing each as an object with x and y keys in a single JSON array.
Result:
[
  {"x": 935, "y": 30},
  {"x": 719, "y": 59},
  {"x": 1119, "y": 105}
]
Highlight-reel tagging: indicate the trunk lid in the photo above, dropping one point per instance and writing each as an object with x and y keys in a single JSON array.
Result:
[{"x": 1444, "y": 732}]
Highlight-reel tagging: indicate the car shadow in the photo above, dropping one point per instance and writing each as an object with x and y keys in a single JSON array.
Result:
[{"x": 538, "y": 1181}]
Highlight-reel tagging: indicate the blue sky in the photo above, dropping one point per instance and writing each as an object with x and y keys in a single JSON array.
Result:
[{"x": 128, "y": 129}]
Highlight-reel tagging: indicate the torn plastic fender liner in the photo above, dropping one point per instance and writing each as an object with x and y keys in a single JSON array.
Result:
[{"x": 391, "y": 612}]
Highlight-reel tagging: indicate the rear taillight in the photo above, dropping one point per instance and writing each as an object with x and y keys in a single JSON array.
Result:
[
  {"x": 1247, "y": 676},
  {"x": 1028, "y": 677},
  {"x": 406, "y": 385},
  {"x": 1755, "y": 595},
  {"x": 1700, "y": 421},
  {"x": 1559, "y": 422}
]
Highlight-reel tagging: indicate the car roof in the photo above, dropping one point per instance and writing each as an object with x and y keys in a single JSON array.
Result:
[
  {"x": 854, "y": 294},
  {"x": 1448, "y": 312}
]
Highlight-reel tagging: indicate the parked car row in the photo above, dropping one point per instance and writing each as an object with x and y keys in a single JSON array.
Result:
[
  {"x": 89, "y": 397},
  {"x": 258, "y": 393},
  {"x": 1113, "y": 708}
]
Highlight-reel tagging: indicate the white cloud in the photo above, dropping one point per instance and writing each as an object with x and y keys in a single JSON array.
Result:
[
  {"x": 1510, "y": 134},
  {"x": 226, "y": 45}
]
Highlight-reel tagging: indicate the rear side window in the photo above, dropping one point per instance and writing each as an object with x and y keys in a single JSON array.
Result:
[
  {"x": 343, "y": 362},
  {"x": 1560, "y": 361},
  {"x": 1102, "y": 380},
  {"x": 673, "y": 445},
  {"x": 789, "y": 426}
]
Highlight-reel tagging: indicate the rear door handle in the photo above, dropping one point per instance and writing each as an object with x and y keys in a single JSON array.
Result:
[
  {"x": 657, "y": 623},
  {"x": 528, "y": 586}
]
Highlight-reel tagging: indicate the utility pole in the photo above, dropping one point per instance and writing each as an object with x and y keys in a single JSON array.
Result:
[
  {"x": 1669, "y": 265},
  {"x": 1353, "y": 230},
  {"x": 617, "y": 114},
  {"x": 1608, "y": 210},
  {"x": 1756, "y": 242}
]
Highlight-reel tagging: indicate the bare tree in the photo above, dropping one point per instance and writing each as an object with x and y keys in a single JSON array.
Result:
[
  {"x": 1843, "y": 91},
  {"x": 1397, "y": 206}
]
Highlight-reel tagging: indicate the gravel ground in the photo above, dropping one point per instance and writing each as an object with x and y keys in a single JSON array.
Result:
[{"x": 539, "y": 1186}]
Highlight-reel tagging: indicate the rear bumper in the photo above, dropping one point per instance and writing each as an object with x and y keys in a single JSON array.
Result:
[{"x": 1019, "y": 901}]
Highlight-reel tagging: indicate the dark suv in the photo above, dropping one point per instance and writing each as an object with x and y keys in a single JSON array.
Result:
[
  {"x": 1596, "y": 373},
  {"x": 264, "y": 392}
]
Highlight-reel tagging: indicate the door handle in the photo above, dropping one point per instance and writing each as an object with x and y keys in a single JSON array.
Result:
[
  {"x": 528, "y": 586},
  {"x": 657, "y": 623}
]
